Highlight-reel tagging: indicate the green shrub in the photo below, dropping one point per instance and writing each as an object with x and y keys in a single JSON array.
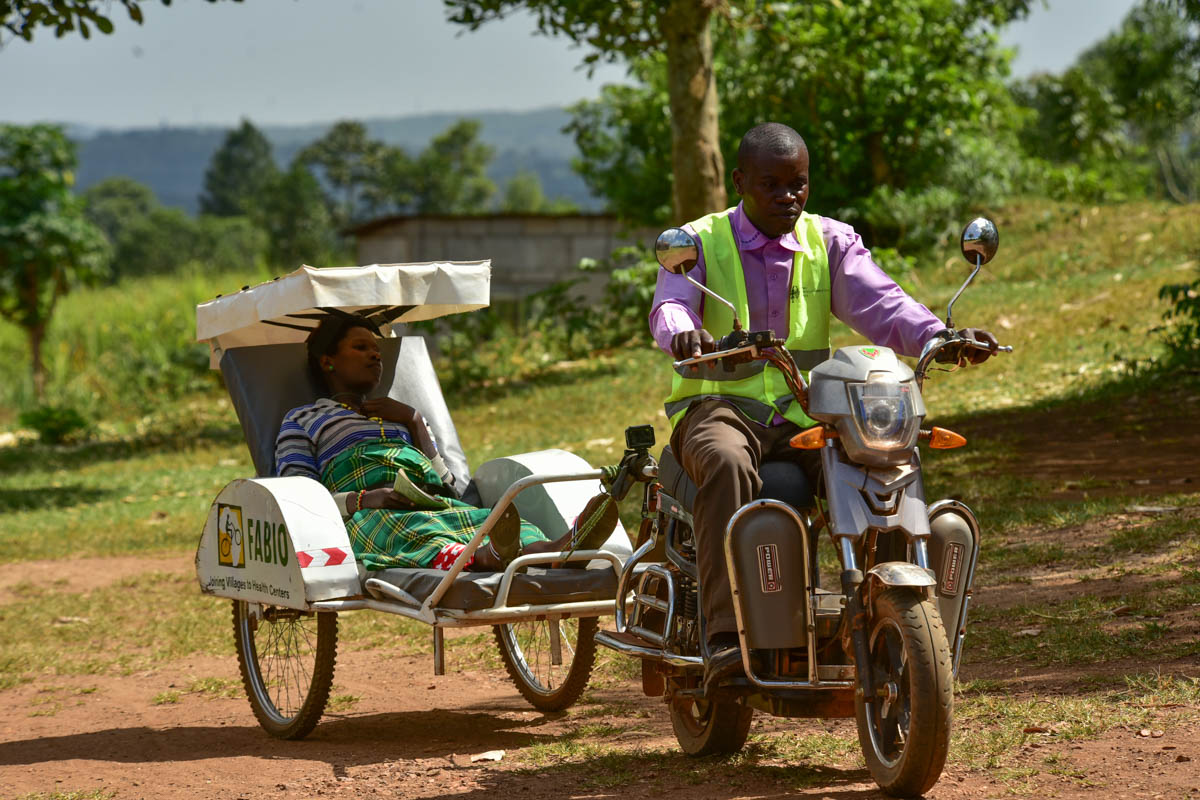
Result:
[
  {"x": 166, "y": 240},
  {"x": 1099, "y": 182},
  {"x": 1182, "y": 334},
  {"x": 54, "y": 424}
]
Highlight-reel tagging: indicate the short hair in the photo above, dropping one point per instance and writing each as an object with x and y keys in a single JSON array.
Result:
[
  {"x": 770, "y": 137},
  {"x": 325, "y": 338}
]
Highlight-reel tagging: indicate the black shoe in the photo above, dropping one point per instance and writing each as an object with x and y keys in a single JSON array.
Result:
[
  {"x": 724, "y": 662},
  {"x": 592, "y": 527}
]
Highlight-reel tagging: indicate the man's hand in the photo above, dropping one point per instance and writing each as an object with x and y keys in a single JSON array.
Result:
[
  {"x": 985, "y": 338},
  {"x": 689, "y": 344}
]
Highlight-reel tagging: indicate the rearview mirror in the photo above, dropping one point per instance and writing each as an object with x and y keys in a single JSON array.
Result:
[
  {"x": 676, "y": 250},
  {"x": 979, "y": 241}
]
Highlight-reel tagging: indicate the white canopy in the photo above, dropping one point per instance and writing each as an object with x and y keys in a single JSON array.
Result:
[{"x": 287, "y": 308}]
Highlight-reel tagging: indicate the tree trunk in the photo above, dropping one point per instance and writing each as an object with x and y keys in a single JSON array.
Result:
[
  {"x": 1169, "y": 170},
  {"x": 881, "y": 170},
  {"x": 692, "y": 87},
  {"x": 37, "y": 334}
]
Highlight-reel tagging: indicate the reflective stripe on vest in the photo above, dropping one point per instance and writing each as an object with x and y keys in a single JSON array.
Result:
[{"x": 757, "y": 389}]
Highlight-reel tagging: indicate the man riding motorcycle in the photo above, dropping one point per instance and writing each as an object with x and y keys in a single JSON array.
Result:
[{"x": 784, "y": 270}]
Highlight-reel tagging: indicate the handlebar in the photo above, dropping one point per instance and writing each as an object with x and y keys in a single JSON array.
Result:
[
  {"x": 737, "y": 343},
  {"x": 948, "y": 347}
]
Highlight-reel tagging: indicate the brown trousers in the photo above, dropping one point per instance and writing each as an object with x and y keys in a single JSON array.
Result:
[{"x": 721, "y": 450}]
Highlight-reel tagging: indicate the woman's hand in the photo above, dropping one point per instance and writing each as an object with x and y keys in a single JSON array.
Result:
[
  {"x": 388, "y": 409},
  {"x": 395, "y": 411},
  {"x": 383, "y": 498}
]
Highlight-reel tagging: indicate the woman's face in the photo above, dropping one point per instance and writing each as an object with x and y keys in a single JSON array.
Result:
[{"x": 356, "y": 363}]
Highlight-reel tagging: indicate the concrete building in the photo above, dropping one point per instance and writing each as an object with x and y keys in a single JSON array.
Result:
[{"x": 528, "y": 251}]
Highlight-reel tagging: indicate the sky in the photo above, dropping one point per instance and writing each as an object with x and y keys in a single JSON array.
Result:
[{"x": 304, "y": 61}]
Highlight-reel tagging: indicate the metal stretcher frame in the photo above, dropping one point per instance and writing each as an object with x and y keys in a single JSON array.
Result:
[{"x": 310, "y": 567}]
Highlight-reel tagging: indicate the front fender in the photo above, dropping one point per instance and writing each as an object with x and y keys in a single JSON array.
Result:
[
  {"x": 279, "y": 541},
  {"x": 901, "y": 573}
]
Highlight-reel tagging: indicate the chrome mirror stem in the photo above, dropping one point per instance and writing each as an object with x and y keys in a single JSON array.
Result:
[
  {"x": 737, "y": 324},
  {"x": 961, "y": 289}
]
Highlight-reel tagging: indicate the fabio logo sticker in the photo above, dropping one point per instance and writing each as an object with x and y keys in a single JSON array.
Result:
[
  {"x": 768, "y": 568},
  {"x": 231, "y": 543},
  {"x": 870, "y": 352}
]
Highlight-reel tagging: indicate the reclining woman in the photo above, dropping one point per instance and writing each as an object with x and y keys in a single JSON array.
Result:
[{"x": 356, "y": 446}]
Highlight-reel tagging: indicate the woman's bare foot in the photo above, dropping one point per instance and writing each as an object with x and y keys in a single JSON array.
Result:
[{"x": 486, "y": 560}]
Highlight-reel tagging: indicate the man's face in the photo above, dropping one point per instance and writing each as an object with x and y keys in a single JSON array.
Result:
[{"x": 774, "y": 190}]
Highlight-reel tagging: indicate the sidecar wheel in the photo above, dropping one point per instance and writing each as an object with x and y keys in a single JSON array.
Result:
[
  {"x": 710, "y": 727},
  {"x": 286, "y": 658},
  {"x": 527, "y": 649},
  {"x": 905, "y": 730}
]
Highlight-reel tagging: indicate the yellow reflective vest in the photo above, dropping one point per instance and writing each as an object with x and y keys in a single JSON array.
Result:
[{"x": 756, "y": 388}]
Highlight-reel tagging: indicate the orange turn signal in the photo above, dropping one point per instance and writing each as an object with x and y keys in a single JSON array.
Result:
[
  {"x": 812, "y": 439},
  {"x": 942, "y": 439}
]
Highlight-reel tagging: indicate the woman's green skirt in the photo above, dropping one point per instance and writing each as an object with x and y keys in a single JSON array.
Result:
[{"x": 383, "y": 537}]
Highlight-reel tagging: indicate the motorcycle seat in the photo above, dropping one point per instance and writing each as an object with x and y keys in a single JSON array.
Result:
[{"x": 782, "y": 480}]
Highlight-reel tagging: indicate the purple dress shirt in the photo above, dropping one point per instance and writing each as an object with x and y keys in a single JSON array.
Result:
[{"x": 862, "y": 295}]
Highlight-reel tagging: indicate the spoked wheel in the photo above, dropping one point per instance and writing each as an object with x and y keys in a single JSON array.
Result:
[
  {"x": 905, "y": 729},
  {"x": 710, "y": 727},
  {"x": 286, "y": 657},
  {"x": 549, "y": 660}
]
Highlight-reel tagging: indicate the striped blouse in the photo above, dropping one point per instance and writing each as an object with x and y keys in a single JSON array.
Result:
[{"x": 312, "y": 435}]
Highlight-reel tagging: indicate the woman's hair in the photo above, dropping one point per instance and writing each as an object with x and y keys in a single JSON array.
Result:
[{"x": 326, "y": 337}]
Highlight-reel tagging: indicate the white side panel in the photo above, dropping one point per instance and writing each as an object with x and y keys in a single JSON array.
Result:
[
  {"x": 276, "y": 540},
  {"x": 553, "y": 506}
]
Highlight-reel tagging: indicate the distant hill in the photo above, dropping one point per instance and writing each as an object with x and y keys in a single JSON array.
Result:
[{"x": 172, "y": 161}]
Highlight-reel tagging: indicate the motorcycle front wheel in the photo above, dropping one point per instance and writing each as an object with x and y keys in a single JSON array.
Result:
[
  {"x": 904, "y": 729},
  {"x": 709, "y": 727}
]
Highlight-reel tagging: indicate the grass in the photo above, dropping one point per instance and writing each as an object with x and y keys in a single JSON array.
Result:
[
  {"x": 134, "y": 624},
  {"x": 1073, "y": 289},
  {"x": 990, "y": 728},
  {"x": 120, "y": 351},
  {"x": 1090, "y": 628}
]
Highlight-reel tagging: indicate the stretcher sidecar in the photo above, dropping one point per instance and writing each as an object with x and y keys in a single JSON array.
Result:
[{"x": 278, "y": 548}]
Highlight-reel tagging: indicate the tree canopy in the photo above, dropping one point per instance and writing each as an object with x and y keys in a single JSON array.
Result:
[
  {"x": 350, "y": 162},
  {"x": 23, "y": 18},
  {"x": 628, "y": 30},
  {"x": 366, "y": 176},
  {"x": 239, "y": 171},
  {"x": 1128, "y": 110},
  {"x": 893, "y": 99},
  {"x": 789, "y": 52},
  {"x": 47, "y": 247}
]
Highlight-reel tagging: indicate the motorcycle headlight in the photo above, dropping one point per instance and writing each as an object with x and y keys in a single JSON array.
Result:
[{"x": 884, "y": 412}]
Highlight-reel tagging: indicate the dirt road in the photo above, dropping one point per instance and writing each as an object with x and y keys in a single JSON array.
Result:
[
  {"x": 401, "y": 732},
  {"x": 413, "y": 735}
]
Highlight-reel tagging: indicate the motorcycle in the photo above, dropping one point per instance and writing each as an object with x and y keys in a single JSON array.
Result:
[{"x": 882, "y": 647}]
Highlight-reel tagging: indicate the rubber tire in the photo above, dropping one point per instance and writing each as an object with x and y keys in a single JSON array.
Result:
[
  {"x": 930, "y": 694},
  {"x": 272, "y": 720},
  {"x": 549, "y": 698},
  {"x": 722, "y": 730}
]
